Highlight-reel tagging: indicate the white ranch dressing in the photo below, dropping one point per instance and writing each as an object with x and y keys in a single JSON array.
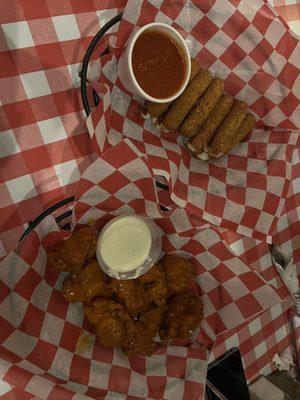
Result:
[{"x": 125, "y": 244}]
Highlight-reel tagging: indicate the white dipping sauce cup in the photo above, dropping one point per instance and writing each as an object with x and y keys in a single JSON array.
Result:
[
  {"x": 128, "y": 246},
  {"x": 125, "y": 69}
]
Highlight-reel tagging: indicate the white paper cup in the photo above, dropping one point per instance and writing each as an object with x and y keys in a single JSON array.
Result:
[
  {"x": 125, "y": 69},
  {"x": 151, "y": 257}
]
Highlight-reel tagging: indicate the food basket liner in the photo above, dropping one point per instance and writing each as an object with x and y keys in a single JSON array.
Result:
[
  {"x": 249, "y": 46},
  {"x": 40, "y": 330}
]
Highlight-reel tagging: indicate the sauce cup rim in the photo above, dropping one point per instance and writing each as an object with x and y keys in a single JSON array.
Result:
[
  {"x": 155, "y": 251},
  {"x": 187, "y": 56}
]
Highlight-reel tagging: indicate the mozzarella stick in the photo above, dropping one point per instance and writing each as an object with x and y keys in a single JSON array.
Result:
[
  {"x": 202, "y": 108},
  {"x": 228, "y": 129},
  {"x": 181, "y": 106},
  {"x": 157, "y": 109},
  {"x": 211, "y": 124},
  {"x": 244, "y": 129}
]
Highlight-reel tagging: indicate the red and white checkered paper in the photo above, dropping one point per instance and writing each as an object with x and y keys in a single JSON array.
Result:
[
  {"x": 252, "y": 49},
  {"x": 289, "y": 11},
  {"x": 39, "y": 329},
  {"x": 44, "y": 143},
  {"x": 259, "y": 340}
]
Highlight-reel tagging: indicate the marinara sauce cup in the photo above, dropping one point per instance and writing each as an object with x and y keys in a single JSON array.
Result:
[{"x": 125, "y": 67}]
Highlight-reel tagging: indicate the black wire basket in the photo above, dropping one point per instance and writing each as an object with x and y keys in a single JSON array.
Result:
[
  {"x": 63, "y": 218},
  {"x": 86, "y": 60}
]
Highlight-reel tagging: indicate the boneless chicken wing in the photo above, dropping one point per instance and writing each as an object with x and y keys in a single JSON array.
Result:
[
  {"x": 129, "y": 313},
  {"x": 179, "y": 272},
  {"x": 154, "y": 283},
  {"x": 87, "y": 283},
  {"x": 151, "y": 319},
  {"x": 131, "y": 295},
  {"x": 71, "y": 254},
  {"x": 183, "y": 315},
  {"x": 113, "y": 324},
  {"x": 140, "y": 340}
]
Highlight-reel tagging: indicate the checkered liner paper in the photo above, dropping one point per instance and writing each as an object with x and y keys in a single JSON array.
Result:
[
  {"x": 40, "y": 330},
  {"x": 249, "y": 46}
]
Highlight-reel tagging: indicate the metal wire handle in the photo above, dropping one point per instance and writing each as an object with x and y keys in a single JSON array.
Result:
[
  {"x": 83, "y": 76},
  {"x": 33, "y": 224},
  {"x": 86, "y": 60},
  {"x": 84, "y": 80}
]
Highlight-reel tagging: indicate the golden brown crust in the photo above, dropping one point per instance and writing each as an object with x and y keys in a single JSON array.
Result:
[
  {"x": 211, "y": 124},
  {"x": 157, "y": 109},
  {"x": 131, "y": 295},
  {"x": 202, "y": 108},
  {"x": 179, "y": 272},
  {"x": 181, "y": 106},
  {"x": 183, "y": 315},
  {"x": 206, "y": 115},
  {"x": 243, "y": 130},
  {"x": 89, "y": 282},
  {"x": 71, "y": 254},
  {"x": 140, "y": 337},
  {"x": 154, "y": 282},
  {"x": 228, "y": 129},
  {"x": 112, "y": 323}
]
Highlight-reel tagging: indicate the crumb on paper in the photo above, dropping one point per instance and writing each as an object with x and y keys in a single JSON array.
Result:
[
  {"x": 203, "y": 156},
  {"x": 158, "y": 125},
  {"x": 145, "y": 115},
  {"x": 284, "y": 361},
  {"x": 84, "y": 342},
  {"x": 191, "y": 148}
]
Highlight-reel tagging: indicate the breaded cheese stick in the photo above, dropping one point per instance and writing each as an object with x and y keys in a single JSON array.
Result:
[
  {"x": 211, "y": 124},
  {"x": 157, "y": 109},
  {"x": 181, "y": 106},
  {"x": 244, "y": 129},
  {"x": 202, "y": 108},
  {"x": 228, "y": 129}
]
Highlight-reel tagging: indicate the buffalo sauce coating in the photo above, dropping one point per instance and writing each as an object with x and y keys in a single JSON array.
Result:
[{"x": 158, "y": 63}]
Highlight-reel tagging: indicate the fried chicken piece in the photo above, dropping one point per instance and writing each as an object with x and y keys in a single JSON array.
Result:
[
  {"x": 71, "y": 254},
  {"x": 183, "y": 315},
  {"x": 114, "y": 326},
  {"x": 86, "y": 284},
  {"x": 179, "y": 272},
  {"x": 131, "y": 295},
  {"x": 143, "y": 331},
  {"x": 154, "y": 283},
  {"x": 151, "y": 319},
  {"x": 140, "y": 342}
]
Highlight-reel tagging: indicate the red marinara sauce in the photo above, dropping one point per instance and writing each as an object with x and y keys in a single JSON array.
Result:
[{"x": 158, "y": 63}]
